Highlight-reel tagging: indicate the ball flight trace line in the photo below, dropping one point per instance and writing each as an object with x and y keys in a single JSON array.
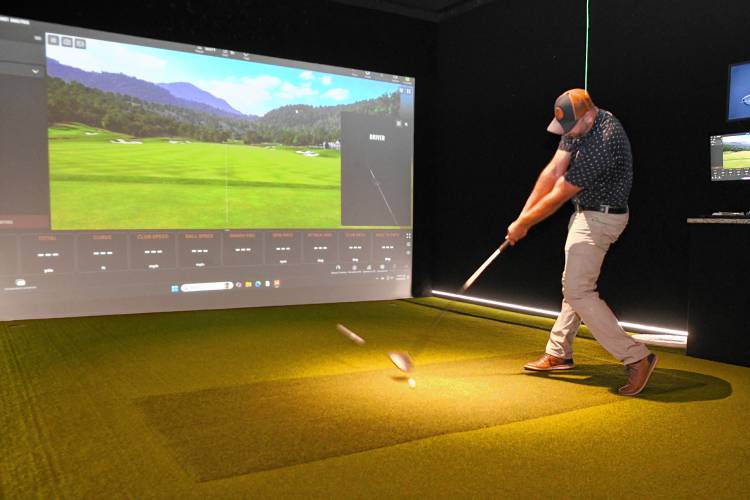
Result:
[{"x": 382, "y": 194}]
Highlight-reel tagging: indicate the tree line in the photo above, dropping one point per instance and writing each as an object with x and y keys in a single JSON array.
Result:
[
  {"x": 294, "y": 125},
  {"x": 735, "y": 147}
]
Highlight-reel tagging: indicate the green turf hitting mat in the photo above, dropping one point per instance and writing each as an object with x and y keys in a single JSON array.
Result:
[{"x": 228, "y": 431}]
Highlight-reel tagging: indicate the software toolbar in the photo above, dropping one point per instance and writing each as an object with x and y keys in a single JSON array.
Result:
[{"x": 56, "y": 253}]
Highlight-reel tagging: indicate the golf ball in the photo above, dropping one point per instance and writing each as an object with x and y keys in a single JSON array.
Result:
[{"x": 412, "y": 383}]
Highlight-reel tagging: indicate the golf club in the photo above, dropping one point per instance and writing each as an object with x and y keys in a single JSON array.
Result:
[
  {"x": 403, "y": 360},
  {"x": 350, "y": 334}
]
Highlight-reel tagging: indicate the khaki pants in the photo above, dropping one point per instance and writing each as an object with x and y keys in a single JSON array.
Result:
[{"x": 589, "y": 236}]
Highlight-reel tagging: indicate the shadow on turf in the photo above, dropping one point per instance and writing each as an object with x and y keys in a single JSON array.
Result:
[{"x": 666, "y": 385}]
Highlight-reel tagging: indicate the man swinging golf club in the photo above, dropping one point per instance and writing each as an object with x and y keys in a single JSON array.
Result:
[{"x": 593, "y": 166}]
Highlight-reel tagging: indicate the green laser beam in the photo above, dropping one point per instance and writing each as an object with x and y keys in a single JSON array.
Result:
[{"x": 586, "y": 65}]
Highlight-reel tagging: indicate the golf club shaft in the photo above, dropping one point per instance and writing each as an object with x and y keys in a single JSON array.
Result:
[
  {"x": 473, "y": 278},
  {"x": 463, "y": 288},
  {"x": 481, "y": 269}
]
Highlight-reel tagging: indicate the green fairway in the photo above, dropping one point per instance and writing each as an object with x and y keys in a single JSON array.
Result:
[
  {"x": 276, "y": 403},
  {"x": 103, "y": 180},
  {"x": 736, "y": 159}
]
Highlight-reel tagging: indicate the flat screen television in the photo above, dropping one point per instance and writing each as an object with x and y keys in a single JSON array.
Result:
[
  {"x": 730, "y": 157},
  {"x": 738, "y": 96}
]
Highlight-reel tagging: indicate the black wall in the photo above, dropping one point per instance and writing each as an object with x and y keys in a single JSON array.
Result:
[{"x": 661, "y": 67}]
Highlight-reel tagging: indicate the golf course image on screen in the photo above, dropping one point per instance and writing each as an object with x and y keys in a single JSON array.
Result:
[
  {"x": 736, "y": 151},
  {"x": 150, "y": 138}
]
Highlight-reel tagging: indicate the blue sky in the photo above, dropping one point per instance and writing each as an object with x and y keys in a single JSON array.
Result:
[
  {"x": 739, "y": 140},
  {"x": 250, "y": 87}
]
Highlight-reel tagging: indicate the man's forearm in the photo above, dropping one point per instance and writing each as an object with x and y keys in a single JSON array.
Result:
[
  {"x": 543, "y": 208},
  {"x": 544, "y": 185},
  {"x": 550, "y": 192}
]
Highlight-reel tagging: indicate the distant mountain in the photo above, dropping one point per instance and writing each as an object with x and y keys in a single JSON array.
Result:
[
  {"x": 140, "y": 89},
  {"x": 73, "y": 102},
  {"x": 190, "y": 92},
  {"x": 296, "y": 116}
]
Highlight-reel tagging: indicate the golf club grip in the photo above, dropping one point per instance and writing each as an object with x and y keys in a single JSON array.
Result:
[{"x": 481, "y": 269}]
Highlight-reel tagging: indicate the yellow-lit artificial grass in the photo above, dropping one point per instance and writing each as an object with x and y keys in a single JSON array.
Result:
[{"x": 75, "y": 396}]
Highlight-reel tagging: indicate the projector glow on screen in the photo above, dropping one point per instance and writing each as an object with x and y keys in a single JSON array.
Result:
[
  {"x": 142, "y": 170},
  {"x": 738, "y": 96}
]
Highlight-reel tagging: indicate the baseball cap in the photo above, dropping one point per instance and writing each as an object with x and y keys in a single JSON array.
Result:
[{"x": 569, "y": 108}]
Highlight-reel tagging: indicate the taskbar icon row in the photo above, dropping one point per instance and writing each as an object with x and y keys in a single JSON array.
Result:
[{"x": 223, "y": 285}]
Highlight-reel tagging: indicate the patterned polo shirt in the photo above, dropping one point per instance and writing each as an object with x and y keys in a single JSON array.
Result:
[{"x": 601, "y": 163}]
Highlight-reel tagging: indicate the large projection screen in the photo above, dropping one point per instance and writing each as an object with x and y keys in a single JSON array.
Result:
[{"x": 142, "y": 175}]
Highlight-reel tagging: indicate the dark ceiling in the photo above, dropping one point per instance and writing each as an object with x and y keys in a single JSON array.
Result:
[{"x": 428, "y": 10}]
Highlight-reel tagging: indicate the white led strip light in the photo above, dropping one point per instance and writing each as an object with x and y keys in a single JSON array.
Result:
[{"x": 554, "y": 314}]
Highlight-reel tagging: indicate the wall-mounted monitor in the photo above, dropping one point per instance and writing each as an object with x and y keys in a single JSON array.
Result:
[
  {"x": 738, "y": 96},
  {"x": 730, "y": 157},
  {"x": 141, "y": 175}
]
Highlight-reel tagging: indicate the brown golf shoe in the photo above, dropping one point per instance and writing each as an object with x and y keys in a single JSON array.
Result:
[
  {"x": 548, "y": 363},
  {"x": 638, "y": 375}
]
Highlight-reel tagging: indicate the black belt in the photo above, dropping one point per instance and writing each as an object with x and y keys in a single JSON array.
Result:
[{"x": 605, "y": 209}]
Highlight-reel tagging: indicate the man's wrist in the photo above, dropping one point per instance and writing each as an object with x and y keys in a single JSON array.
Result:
[{"x": 524, "y": 220}]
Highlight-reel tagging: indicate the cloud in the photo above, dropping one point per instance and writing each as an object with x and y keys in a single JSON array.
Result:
[
  {"x": 248, "y": 95},
  {"x": 326, "y": 80},
  {"x": 291, "y": 91},
  {"x": 110, "y": 57},
  {"x": 307, "y": 75},
  {"x": 336, "y": 94},
  {"x": 742, "y": 140}
]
